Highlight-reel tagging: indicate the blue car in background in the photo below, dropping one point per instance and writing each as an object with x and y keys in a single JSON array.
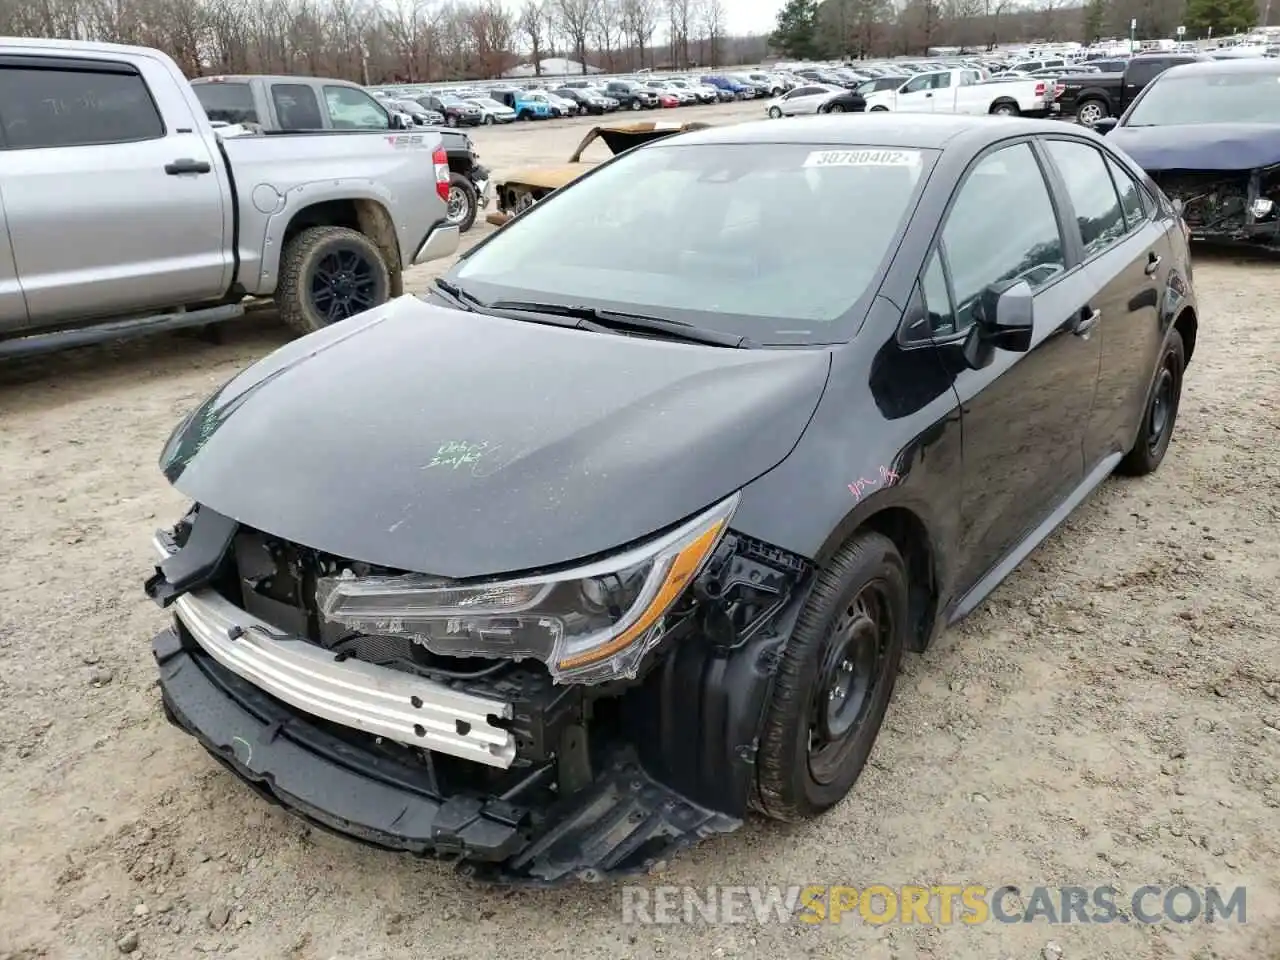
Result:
[
  {"x": 526, "y": 103},
  {"x": 738, "y": 89}
]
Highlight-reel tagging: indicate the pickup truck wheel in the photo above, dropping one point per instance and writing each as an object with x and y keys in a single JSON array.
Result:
[
  {"x": 1090, "y": 112},
  {"x": 834, "y": 681},
  {"x": 635, "y": 104},
  {"x": 328, "y": 274},
  {"x": 1005, "y": 108},
  {"x": 463, "y": 202}
]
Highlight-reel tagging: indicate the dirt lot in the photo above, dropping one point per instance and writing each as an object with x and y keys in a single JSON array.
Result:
[{"x": 1111, "y": 715}]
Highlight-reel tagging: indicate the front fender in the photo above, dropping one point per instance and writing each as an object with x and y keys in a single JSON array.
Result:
[{"x": 309, "y": 194}]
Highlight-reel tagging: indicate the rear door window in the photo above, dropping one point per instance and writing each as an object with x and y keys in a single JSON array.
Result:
[
  {"x": 227, "y": 102},
  {"x": 1097, "y": 207},
  {"x": 296, "y": 106},
  {"x": 60, "y": 107},
  {"x": 350, "y": 108}
]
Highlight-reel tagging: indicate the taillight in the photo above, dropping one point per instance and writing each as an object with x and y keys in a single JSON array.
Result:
[
  {"x": 1058, "y": 90},
  {"x": 1040, "y": 88},
  {"x": 440, "y": 160}
]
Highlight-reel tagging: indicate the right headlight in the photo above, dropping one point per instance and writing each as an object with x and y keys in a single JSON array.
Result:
[{"x": 588, "y": 624}]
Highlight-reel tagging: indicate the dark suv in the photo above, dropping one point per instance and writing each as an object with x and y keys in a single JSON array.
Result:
[
  {"x": 631, "y": 95},
  {"x": 457, "y": 112}
]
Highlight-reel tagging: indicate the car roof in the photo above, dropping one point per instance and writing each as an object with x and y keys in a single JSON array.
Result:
[
  {"x": 1263, "y": 65},
  {"x": 919, "y": 131}
]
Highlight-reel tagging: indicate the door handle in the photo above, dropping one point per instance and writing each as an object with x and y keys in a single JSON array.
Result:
[
  {"x": 1153, "y": 262},
  {"x": 1088, "y": 320},
  {"x": 187, "y": 165}
]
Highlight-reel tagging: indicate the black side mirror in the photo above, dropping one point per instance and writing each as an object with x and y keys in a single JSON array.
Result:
[
  {"x": 1105, "y": 125},
  {"x": 1004, "y": 319}
]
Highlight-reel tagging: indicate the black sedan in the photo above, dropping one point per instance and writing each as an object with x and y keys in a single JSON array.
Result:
[
  {"x": 591, "y": 554},
  {"x": 851, "y": 101},
  {"x": 1209, "y": 135}
]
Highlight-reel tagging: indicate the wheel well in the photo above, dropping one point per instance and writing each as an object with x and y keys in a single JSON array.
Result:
[
  {"x": 367, "y": 216},
  {"x": 909, "y": 535},
  {"x": 1187, "y": 325},
  {"x": 460, "y": 165},
  {"x": 1001, "y": 101}
]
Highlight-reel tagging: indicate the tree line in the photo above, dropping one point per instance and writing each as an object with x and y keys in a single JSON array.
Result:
[
  {"x": 407, "y": 41},
  {"x": 809, "y": 29}
]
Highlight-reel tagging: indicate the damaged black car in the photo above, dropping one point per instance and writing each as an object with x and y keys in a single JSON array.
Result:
[
  {"x": 571, "y": 563},
  {"x": 1209, "y": 135}
]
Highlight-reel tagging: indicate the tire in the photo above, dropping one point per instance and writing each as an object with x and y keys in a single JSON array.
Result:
[
  {"x": 317, "y": 248},
  {"x": 836, "y": 108},
  {"x": 635, "y": 104},
  {"x": 775, "y": 113},
  {"x": 1004, "y": 108},
  {"x": 1160, "y": 415},
  {"x": 1090, "y": 112},
  {"x": 867, "y": 575},
  {"x": 463, "y": 203},
  {"x": 879, "y": 109},
  {"x": 450, "y": 120},
  {"x": 488, "y": 120},
  {"x": 523, "y": 115}
]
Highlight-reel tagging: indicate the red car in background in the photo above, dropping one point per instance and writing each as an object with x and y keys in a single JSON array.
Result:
[{"x": 668, "y": 100}]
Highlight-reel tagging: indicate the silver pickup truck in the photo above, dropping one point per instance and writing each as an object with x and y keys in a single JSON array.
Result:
[{"x": 124, "y": 211}]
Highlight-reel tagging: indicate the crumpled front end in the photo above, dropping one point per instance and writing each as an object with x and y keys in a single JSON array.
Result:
[
  {"x": 534, "y": 767},
  {"x": 1222, "y": 206}
]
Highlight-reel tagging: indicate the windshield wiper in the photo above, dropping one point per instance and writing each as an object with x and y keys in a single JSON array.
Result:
[
  {"x": 598, "y": 319},
  {"x": 504, "y": 308}
]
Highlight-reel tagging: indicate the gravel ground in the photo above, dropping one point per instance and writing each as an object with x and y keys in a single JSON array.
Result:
[{"x": 1111, "y": 715}]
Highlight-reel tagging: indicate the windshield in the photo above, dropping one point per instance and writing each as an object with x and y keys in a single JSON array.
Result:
[
  {"x": 736, "y": 215},
  {"x": 1251, "y": 97}
]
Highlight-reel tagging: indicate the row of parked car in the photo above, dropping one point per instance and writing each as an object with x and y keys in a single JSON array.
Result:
[{"x": 545, "y": 100}]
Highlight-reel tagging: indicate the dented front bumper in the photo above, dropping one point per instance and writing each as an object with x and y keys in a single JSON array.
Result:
[{"x": 624, "y": 822}]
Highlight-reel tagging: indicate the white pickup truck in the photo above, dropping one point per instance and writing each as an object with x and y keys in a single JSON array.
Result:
[{"x": 966, "y": 91}]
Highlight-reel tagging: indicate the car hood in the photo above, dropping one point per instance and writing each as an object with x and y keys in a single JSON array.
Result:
[
  {"x": 1201, "y": 146},
  {"x": 457, "y": 444}
]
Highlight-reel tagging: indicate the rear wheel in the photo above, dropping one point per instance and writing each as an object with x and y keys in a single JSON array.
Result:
[
  {"x": 328, "y": 274},
  {"x": 834, "y": 681},
  {"x": 1161, "y": 412},
  {"x": 1090, "y": 112},
  {"x": 463, "y": 203},
  {"x": 836, "y": 108},
  {"x": 1005, "y": 108},
  {"x": 878, "y": 109}
]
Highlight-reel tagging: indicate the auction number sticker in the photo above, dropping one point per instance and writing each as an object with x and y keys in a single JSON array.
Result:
[{"x": 863, "y": 158}]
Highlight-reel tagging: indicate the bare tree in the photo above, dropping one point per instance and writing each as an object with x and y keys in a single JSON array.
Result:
[
  {"x": 710, "y": 16},
  {"x": 533, "y": 28},
  {"x": 576, "y": 19},
  {"x": 640, "y": 22},
  {"x": 679, "y": 20},
  {"x": 606, "y": 29}
]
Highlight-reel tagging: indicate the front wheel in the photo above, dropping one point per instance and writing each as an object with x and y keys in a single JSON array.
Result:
[
  {"x": 836, "y": 108},
  {"x": 834, "y": 681},
  {"x": 635, "y": 104},
  {"x": 1160, "y": 414},
  {"x": 775, "y": 112},
  {"x": 463, "y": 203},
  {"x": 488, "y": 120},
  {"x": 328, "y": 274}
]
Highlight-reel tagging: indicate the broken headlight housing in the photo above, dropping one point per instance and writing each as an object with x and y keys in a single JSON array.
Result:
[{"x": 588, "y": 624}]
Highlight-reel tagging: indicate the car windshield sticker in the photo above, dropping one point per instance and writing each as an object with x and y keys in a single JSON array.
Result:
[{"x": 863, "y": 158}]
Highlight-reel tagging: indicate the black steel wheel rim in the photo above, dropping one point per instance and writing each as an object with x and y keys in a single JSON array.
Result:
[
  {"x": 851, "y": 671},
  {"x": 1161, "y": 408},
  {"x": 343, "y": 283}
]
